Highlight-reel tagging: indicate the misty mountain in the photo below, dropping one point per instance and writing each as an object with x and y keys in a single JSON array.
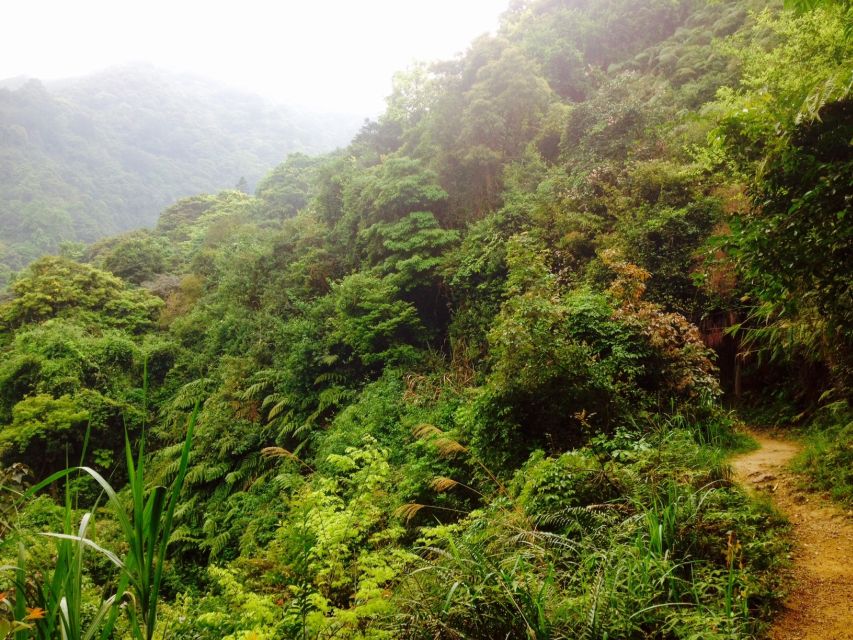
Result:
[
  {"x": 93, "y": 156},
  {"x": 490, "y": 371}
]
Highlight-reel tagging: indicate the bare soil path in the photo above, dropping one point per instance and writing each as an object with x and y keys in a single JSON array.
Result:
[{"x": 820, "y": 604}]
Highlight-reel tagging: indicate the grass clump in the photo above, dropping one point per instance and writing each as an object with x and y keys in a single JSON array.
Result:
[
  {"x": 629, "y": 538},
  {"x": 66, "y": 602},
  {"x": 827, "y": 458}
]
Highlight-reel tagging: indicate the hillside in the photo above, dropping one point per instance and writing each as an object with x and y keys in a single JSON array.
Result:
[
  {"x": 94, "y": 156},
  {"x": 480, "y": 374}
]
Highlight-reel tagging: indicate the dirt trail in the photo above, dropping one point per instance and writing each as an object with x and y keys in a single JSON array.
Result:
[{"x": 820, "y": 605}]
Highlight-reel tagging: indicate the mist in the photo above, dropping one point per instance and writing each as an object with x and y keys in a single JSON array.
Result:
[{"x": 329, "y": 55}]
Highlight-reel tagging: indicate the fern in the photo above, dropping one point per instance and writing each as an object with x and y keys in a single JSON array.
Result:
[
  {"x": 591, "y": 629},
  {"x": 206, "y": 472},
  {"x": 216, "y": 544}
]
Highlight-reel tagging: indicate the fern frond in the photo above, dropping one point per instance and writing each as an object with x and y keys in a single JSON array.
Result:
[
  {"x": 182, "y": 534},
  {"x": 546, "y": 540},
  {"x": 565, "y": 517},
  {"x": 191, "y": 393},
  {"x": 590, "y": 630},
  {"x": 203, "y": 473},
  {"x": 235, "y": 476},
  {"x": 289, "y": 428},
  {"x": 333, "y": 396},
  {"x": 254, "y": 391},
  {"x": 217, "y": 543},
  {"x": 336, "y": 378},
  {"x": 276, "y": 411}
]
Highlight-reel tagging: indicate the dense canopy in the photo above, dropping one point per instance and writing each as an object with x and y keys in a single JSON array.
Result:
[{"x": 469, "y": 377}]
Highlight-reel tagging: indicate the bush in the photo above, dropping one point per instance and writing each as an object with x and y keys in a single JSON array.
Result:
[
  {"x": 568, "y": 364},
  {"x": 573, "y": 479}
]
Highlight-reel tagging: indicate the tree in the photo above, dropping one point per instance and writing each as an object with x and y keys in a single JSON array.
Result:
[
  {"x": 54, "y": 286},
  {"x": 393, "y": 189},
  {"x": 287, "y": 189},
  {"x": 136, "y": 258},
  {"x": 786, "y": 133},
  {"x": 371, "y": 320},
  {"x": 502, "y": 113},
  {"x": 409, "y": 250},
  {"x": 795, "y": 247},
  {"x": 47, "y": 424}
]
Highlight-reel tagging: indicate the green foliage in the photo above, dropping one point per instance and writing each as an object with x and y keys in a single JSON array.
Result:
[
  {"x": 802, "y": 6},
  {"x": 793, "y": 250},
  {"x": 455, "y": 379},
  {"x": 786, "y": 132},
  {"x": 58, "y": 369},
  {"x": 614, "y": 121},
  {"x": 44, "y": 421},
  {"x": 95, "y": 156},
  {"x": 565, "y": 363},
  {"x": 286, "y": 190},
  {"x": 562, "y": 484},
  {"x": 393, "y": 189},
  {"x": 63, "y": 594},
  {"x": 476, "y": 274},
  {"x": 827, "y": 459},
  {"x": 257, "y": 615},
  {"x": 788, "y": 81},
  {"x": 663, "y": 241},
  {"x": 136, "y": 258},
  {"x": 646, "y": 547},
  {"x": 411, "y": 249},
  {"x": 57, "y": 287},
  {"x": 373, "y": 322}
]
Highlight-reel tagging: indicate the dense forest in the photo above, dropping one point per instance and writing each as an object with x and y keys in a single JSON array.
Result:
[
  {"x": 86, "y": 158},
  {"x": 477, "y": 375}
]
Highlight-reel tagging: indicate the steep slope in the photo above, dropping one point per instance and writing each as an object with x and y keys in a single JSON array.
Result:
[
  {"x": 85, "y": 158},
  {"x": 455, "y": 380}
]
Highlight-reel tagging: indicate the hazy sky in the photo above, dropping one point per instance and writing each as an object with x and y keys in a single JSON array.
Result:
[{"x": 331, "y": 54}]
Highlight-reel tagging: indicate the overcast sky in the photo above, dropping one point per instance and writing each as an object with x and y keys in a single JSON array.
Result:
[{"x": 329, "y": 54}]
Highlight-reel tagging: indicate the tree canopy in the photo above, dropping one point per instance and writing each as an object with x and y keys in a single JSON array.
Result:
[{"x": 470, "y": 376}]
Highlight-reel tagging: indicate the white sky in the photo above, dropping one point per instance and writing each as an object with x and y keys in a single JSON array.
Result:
[{"x": 335, "y": 55}]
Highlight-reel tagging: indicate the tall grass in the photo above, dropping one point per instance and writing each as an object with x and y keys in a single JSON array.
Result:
[
  {"x": 827, "y": 457},
  {"x": 655, "y": 561},
  {"x": 146, "y": 525}
]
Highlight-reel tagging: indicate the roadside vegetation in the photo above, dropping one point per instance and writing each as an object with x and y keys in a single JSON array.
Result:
[{"x": 465, "y": 378}]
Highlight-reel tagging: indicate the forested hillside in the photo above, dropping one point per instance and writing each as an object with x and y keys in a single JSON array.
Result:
[
  {"x": 471, "y": 376},
  {"x": 85, "y": 158}
]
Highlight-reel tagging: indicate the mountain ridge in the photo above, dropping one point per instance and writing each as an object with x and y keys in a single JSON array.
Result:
[{"x": 83, "y": 158}]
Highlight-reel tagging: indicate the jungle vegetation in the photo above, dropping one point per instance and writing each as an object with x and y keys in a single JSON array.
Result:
[{"x": 469, "y": 377}]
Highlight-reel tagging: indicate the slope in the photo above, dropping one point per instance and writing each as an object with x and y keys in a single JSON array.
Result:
[{"x": 94, "y": 156}]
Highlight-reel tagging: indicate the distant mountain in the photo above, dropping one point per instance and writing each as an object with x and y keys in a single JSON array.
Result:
[
  {"x": 84, "y": 158},
  {"x": 13, "y": 83}
]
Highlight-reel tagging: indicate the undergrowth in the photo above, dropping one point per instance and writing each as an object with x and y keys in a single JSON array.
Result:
[
  {"x": 635, "y": 537},
  {"x": 827, "y": 458}
]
